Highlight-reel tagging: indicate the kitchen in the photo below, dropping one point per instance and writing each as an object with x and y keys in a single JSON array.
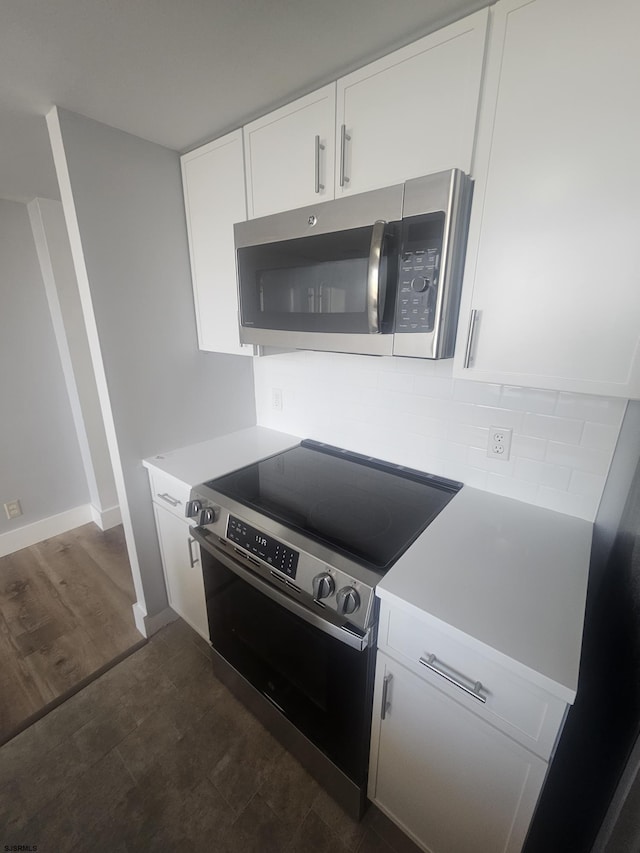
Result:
[{"x": 126, "y": 194}]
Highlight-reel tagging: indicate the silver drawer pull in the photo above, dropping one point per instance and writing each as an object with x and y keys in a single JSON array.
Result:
[
  {"x": 167, "y": 497},
  {"x": 475, "y": 690},
  {"x": 386, "y": 705}
]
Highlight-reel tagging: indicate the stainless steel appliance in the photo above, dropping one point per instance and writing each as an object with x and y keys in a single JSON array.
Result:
[
  {"x": 292, "y": 548},
  {"x": 377, "y": 273}
]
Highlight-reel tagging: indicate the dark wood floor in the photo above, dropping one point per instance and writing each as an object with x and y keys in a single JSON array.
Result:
[
  {"x": 65, "y": 614},
  {"x": 157, "y": 755}
]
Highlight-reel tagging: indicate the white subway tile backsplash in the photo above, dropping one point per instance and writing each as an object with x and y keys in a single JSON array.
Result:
[
  {"x": 548, "y": 426},
  {"x": 584, "y": 483},
  {"x": 487, "y": 416},
  {"x": 543, "y": 473},
  {"x": 584, "y": 506},
  {"x": 467, "y": 434},
  {"x": 529, "y": 399},
  {"x": 483, "y": 393},
  {"x": 599, "y": 436},
  {"x": 511, "y": 488},
  {"x": 528, "y": 447},
  {"x": 402, "y": 382},
  {"x": 414, "y": 413},
  {"x": 582, "y": 458},
  {"x": 433, "y": 386},
  {"x": 606, "y": 410}
]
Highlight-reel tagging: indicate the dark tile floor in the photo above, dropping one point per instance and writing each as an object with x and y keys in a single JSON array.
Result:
[{"x": 156, "y": 754}]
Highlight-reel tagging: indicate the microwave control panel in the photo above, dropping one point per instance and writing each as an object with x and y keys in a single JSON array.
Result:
[{"x": 418, "y": 274}]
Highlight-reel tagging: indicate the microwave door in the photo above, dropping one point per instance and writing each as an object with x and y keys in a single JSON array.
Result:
[{"x": 326, "y": 291}]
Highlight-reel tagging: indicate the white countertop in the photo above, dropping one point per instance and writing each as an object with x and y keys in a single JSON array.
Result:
[
  {"x": 509, "y": 577},
  {"x": 218, "y": 456}
]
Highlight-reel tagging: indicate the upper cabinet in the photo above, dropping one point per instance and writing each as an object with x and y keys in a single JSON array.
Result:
[
  {"x": 214, "y": 198},
  {"x": 409, "y": 114},
  {"x": 552, "y": 295},
  {"x": 412, "y": 112},
  {"x": 289, "y": 154}
]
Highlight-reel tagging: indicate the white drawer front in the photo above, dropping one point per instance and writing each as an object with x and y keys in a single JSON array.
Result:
[
  {"x": 522, "y": 710},
  {"x": 170, "y": 493}
]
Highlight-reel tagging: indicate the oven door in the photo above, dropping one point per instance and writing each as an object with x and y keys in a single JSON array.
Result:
[{"x": 320, "y": 681}]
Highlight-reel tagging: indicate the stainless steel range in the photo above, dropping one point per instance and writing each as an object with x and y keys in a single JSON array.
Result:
[{"x": 292, "y": 548}]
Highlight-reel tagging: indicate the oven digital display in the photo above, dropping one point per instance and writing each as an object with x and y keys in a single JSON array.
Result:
[{"x": 270, "y": 550}]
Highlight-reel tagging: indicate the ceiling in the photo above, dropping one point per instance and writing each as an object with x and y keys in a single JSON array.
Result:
[{"x": 179, "y": 72}]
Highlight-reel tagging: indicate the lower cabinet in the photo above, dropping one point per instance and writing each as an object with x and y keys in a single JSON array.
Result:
[
  {"x": 182, "y": 570},
  {"x": 449, "y": 779}
]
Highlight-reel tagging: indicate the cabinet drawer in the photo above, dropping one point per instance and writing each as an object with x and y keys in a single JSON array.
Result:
[
  {"x": 168, "y": 492},
  {"x": 514, "y": 705}
]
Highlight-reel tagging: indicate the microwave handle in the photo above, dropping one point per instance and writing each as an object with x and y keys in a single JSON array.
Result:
[{"x": 374, "y": 309}]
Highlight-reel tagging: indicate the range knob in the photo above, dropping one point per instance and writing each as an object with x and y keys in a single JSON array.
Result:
[
  {"x": 347, "y": 600},
  {"x": 208, "y": 515},
  {"x": 323, "y": 586},
  {"x": 193, "y": 508}
]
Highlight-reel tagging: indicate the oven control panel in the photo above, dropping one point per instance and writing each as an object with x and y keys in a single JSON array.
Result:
[{"x": 265, "y": 547}]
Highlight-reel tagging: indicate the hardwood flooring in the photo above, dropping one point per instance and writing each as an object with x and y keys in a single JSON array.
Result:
[{"x": 65, "y": 616}]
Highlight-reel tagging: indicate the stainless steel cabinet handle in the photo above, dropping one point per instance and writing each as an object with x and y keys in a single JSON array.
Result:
[
  {"x": 344, "y": 138},
  {"x": 192, "y": 560},
  {"x": 386, "y": 705},
  {"x": 374, "y": 308},
  {"x": 474, "y": 690},
  {"x": 470, "y": 334},
  {"x": 167, "y": 497},
  {"x": 319, "y": 148}
]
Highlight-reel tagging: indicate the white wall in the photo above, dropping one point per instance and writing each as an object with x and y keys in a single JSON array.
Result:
[
  {"x": 61, "y": 288},
  {"x": 40, "y": 461},
  {"x": 414, "y": 413},
  {"x": 122, "y": 198}
]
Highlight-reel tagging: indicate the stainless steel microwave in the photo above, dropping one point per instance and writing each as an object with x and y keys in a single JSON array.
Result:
[{"x": 377, "y": 273}]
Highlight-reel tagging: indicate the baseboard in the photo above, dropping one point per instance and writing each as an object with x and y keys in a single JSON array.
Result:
[
  {"x": 54, "y": 525},
  {"x": 148, "y": 625},
  {"x": 106, "y": 518}
]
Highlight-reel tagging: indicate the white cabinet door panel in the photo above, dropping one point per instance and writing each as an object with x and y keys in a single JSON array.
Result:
[
  {"x": 448, "y": 778},
  {"x": 414, "y": 111},
  {"x": 280, "y": 151},
  {"x": 182, "y": 570},
  {"x": 214, "y": 196},
  {"x": 554, "y": 252}
]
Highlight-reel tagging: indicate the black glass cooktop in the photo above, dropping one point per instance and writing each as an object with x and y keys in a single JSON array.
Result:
[{"x": 365, "y": 508}]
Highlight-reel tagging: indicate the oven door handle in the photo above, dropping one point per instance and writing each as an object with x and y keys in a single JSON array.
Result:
[{"x": 343, "y": 635}]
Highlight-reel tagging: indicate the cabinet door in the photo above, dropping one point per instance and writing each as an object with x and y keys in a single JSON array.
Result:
[
  {"x": 182, "y": 570},
  {"x": 214, "y": 198},
  {"x": 554, "y": 254},
  {"x": 289, "y": 154},
  {"x": 449, "y": 779},
  {"x": 412, "y": 112}
]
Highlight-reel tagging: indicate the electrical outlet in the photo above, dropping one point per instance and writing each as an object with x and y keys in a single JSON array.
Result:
[
  {"x": 276, "y": 399},
  {"x": 13, "y": 509},
  {"x": 499, "y": 442}
]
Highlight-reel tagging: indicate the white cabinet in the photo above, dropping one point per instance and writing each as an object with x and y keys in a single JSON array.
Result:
[
  {"x": 451, "y": 781},
  {"x": 553, "y": 260},
  {"x": 289, "y": 154},
  {"x": 460, "y": 746},
  {"x": 408, "y": 114},
  {"x": 179, "y": 551},
  {"x": 214, "y": 197},
  {"x": 412, "y": 112}
]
